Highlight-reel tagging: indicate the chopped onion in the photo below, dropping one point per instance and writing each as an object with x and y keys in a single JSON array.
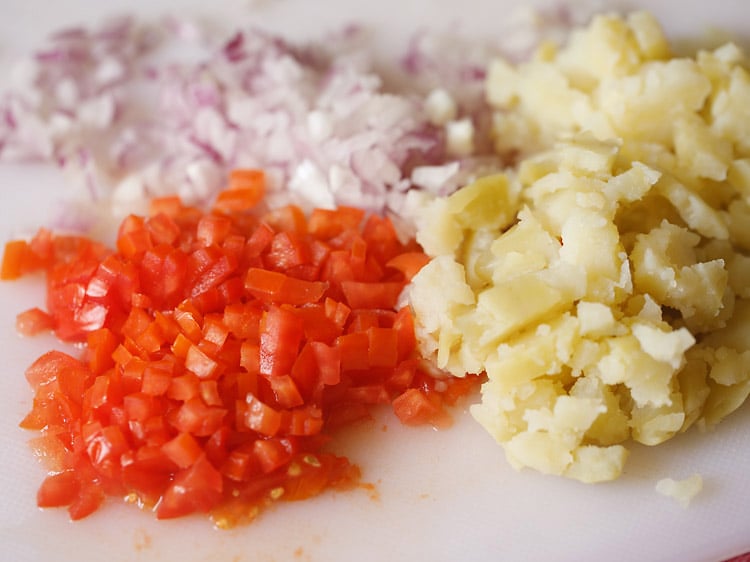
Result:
[{"x": 133, "y": 109}]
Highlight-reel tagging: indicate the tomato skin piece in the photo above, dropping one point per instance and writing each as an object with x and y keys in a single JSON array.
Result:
[
  {"x": 209, "y": 393},
  {"x": 337, "y": 312},
  {"x": 217, "y": 446}
]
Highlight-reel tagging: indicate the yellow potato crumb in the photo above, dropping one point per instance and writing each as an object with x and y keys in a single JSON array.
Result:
[
  {"x": 601, "y": 283},
  {"x": 683, "y": 491}
]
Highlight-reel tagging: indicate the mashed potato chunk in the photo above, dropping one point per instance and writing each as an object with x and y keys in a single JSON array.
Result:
[{"x": 601, "y": 283}]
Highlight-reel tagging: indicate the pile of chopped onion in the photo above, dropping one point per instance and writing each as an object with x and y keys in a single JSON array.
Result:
[
  {"x": 131, "y": 109},
  {"x": 129, "y": 115}
]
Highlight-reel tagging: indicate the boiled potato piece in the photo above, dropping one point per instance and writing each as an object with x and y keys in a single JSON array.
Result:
[{"x": 602, "y": 283}]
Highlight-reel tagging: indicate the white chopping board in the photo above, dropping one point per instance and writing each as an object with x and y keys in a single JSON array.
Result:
[{"x": 440, "y": 495}]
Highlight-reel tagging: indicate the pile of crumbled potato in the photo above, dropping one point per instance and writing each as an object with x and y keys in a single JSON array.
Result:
[{"x": 602, "y": 284}]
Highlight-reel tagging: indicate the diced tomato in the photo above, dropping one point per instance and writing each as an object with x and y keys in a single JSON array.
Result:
[
  {"x": 133, "y": 240},
  {"x": 270, "y": 286},
  {"x": 105, "y": 446},
  {"x": 141, "y": 406},
  {"x": 198, "y": 362},
  {"x": 328, "y": 361},
  {"x": 243, "y": 320},
  {"x": 382, "y": 350},
  {"x": 193, "y": 416},
  {"x": 34, "y": 321},
  {"x": 328, "y": 223},
  {"x": 147, "y": 472},
  {"x": 338, "y": 312},
  {"x": 59, "y": 489},
  {"x": 261, "y": 418},
  {"x": 281, "y": 332},
  {"x": 212, "y": 230},
  {"x": 372, "y": 295},
  {"x": 58, "y": 371},
  {"x": 162, "y": 274},
  {"x": 184, "y": 387},
  {"x": 403, "y": 324},
  {"x": 245, "y": 191},
  {"x": 207, "y": 269},
  {"x": 302, "y": 421},
  {"x": 163, "y": 228},
  {"x": 89, "y": 498},
  {"x": 354, "y": 351},
  {"x": 196, "y": 488},
  {"x": 100, "y": 346},
  {"x": 271, "y": 454},
  {"x": 14, "y": 256},
  {"x": 259, "y": 241},
  {"x": 286, "y": 219},
  {"x": 220, "y": 352},
  {"x": 156, "y": 381},
  {"x": 209, "y": 392},
  {"x": 183, "y": 450},
  {"x": 414, "y": 407},
  {"x": 409, "y": 263},
  {"x": 382, "y": 239},
  {"x": 285, "y": 391}
]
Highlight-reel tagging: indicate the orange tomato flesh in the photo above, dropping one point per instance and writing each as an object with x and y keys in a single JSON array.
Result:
[{"x": 221, "y": 350}]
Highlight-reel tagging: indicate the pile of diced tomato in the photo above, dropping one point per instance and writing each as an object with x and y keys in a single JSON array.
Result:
[{"x": 222, "y": 349}]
